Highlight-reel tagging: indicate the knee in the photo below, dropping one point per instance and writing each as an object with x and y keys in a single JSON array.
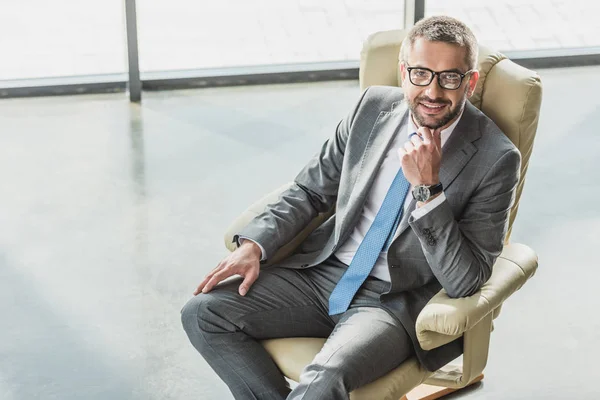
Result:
[
  {"x": 190, "y": 313},
  {"x": 202, "y": 313},
  {"x": 194, "y": 311}
]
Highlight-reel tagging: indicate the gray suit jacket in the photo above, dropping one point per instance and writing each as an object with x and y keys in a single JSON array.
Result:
[{"x": 452, "y": 247}]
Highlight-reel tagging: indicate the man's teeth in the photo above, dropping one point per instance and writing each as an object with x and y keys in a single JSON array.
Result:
[{"x": 433, "y": 106}]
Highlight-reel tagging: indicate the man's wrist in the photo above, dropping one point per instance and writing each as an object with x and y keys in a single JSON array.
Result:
[
  {"x": 253, "y": 248},
  {"x": 422, "y": 203},
  {"x": 424, "y": 193},
  {"x": 432, "y": 182}
]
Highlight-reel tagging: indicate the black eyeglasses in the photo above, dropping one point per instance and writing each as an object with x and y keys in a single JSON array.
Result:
[{"x": 449, "y": 80}]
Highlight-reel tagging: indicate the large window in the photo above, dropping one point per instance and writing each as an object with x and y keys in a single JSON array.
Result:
[
  {"x": 59, "y": 38},
  {"x": 181, "y": 39},
  {"x": 526, "y": 24},
  {"x": 192, "y": 34}
]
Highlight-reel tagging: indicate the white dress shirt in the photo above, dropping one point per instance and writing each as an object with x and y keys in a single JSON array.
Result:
[
  {"x": 383, "y": 181},
  {"x": 381, "y": 184}
]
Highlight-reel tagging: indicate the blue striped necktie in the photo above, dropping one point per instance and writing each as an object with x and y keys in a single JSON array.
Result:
[{"x": 379, "y": 235}]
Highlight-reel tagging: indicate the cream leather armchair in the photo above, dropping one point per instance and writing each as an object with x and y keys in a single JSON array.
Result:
[{"x": 511, "y": 96}]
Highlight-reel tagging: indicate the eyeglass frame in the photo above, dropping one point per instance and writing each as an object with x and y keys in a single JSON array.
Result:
[{"x": 434, "y": 73}]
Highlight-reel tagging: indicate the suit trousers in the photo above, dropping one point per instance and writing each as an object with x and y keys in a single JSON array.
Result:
[{"x": 363, "y": 344}]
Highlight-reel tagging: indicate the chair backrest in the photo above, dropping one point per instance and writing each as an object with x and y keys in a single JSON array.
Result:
[{"x": 510, "y": 95}]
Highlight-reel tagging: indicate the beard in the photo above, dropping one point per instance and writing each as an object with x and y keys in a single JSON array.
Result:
[{"x": 435, "y": 122}]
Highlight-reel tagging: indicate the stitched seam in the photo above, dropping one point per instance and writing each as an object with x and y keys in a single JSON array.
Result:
[
  {"x": 523, "y": 114},
  {"x": 513, "y": 262},
  {"x": 483, "y": 87}
]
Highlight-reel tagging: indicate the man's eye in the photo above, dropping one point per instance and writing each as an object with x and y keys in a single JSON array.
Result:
[{"x": 420, "y": 73}]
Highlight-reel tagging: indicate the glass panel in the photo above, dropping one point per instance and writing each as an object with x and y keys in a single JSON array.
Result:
[
  {"x": 59, "y": 38},
  {"x": 192, "y": 34},
  {"x": 525, "y": 24}
]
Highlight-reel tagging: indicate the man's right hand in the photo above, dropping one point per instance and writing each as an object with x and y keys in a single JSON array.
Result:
[{"x": 244, "y": 261}]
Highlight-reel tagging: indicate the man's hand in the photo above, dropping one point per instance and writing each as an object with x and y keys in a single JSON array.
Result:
[
  {"x": 421, "y": 157},
  {"x": 244, "y": 261}
]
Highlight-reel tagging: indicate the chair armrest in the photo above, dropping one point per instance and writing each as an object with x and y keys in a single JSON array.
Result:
[
  {"x": 444, "y": 319},
  {"x": 256, "y": 209},
  {"x": 250, "y": 213}
]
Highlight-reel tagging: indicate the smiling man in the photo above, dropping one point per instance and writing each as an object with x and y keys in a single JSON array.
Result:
[{"x": 419, "y": 185}]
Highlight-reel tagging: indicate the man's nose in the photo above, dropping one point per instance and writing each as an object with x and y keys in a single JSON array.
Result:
[{"x": 434, "y": 91}]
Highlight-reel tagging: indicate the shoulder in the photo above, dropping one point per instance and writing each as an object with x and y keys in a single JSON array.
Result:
[
  {"x": 382, "y": 98},
  {"x": 375, "y": 102}
]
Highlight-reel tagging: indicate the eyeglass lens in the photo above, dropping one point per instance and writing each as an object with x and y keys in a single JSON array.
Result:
[{"x": 423, "y": 77}]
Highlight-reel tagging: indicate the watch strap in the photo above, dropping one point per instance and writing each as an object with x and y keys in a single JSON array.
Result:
[{"x": 435, "y": 189}]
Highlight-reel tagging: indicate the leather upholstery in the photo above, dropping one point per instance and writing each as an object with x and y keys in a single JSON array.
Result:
[
  {"x": 511, "y": 96},
  {"x": 292, "y": 354},
  {"x": 444, "y": 319},
  {"x": 506, "y": 92}
]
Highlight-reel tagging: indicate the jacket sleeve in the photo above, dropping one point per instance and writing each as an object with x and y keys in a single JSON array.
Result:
[
  {"x": 461, "y": 253},
  {"x": 314, "y": 191}
]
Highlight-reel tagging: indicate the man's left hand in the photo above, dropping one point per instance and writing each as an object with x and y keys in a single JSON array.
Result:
[{"x": 421, "y": 157}]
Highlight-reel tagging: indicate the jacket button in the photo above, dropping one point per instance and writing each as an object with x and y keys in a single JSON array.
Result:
[{"x": 426, "y": 231}]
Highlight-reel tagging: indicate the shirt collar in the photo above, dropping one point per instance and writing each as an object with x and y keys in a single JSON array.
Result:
[{"x": 411, "y": 127}]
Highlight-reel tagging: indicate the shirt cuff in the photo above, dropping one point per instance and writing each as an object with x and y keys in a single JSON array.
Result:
[
  {"x": 424, "y": 210},
  {"x": 263, "y": 256}
]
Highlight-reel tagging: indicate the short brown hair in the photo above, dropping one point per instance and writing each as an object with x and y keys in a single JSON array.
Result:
[{"x": 447, "y": 30}]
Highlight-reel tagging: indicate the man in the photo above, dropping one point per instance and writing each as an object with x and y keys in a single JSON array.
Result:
[{"x": 422, "y": 184}]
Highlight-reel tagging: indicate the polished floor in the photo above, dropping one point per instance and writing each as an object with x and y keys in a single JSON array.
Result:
[{"x": 111, "y": 213}]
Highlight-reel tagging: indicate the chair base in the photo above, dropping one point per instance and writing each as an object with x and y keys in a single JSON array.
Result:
[{"x": 429, "y": 392}]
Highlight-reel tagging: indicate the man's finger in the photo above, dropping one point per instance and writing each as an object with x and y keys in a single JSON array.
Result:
[
  {"x": 249, "y": 279},
  {"x": 408, "y": 146},
  {"x": 202, "y": 284},
  {"x": 416, "y": 141},
  {"x": 426, "y": 133},
  {"x": 401, "y": 153},
  {"x": 207, "y": 278},
  {"x": 217, "y": 268},
  {"x": 218, "y": 277},
  {"x": 438, "y": 137}
]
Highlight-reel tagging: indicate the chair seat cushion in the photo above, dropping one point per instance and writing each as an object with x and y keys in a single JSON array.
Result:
[{"x": 292, "y": 354}]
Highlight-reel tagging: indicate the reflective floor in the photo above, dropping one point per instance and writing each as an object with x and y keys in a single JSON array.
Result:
[{"x": 111, "y": 213}]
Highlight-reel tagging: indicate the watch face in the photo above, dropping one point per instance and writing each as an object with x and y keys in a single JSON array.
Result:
[{"x": 421, "y": 193}]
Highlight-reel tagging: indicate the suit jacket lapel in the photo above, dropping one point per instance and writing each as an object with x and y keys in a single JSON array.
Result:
[
  {"x": 460, "y": 148},
  {"x": 386, "y": 126},
  {"x": 456, "y": 153}
]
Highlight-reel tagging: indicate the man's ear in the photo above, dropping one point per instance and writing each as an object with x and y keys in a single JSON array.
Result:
[
  {"x": 473, "y": 79},
  {"x": 403, "y": 71}
]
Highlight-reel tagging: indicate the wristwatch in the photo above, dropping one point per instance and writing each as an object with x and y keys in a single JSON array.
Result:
[{"x": 423, "y": 193}]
